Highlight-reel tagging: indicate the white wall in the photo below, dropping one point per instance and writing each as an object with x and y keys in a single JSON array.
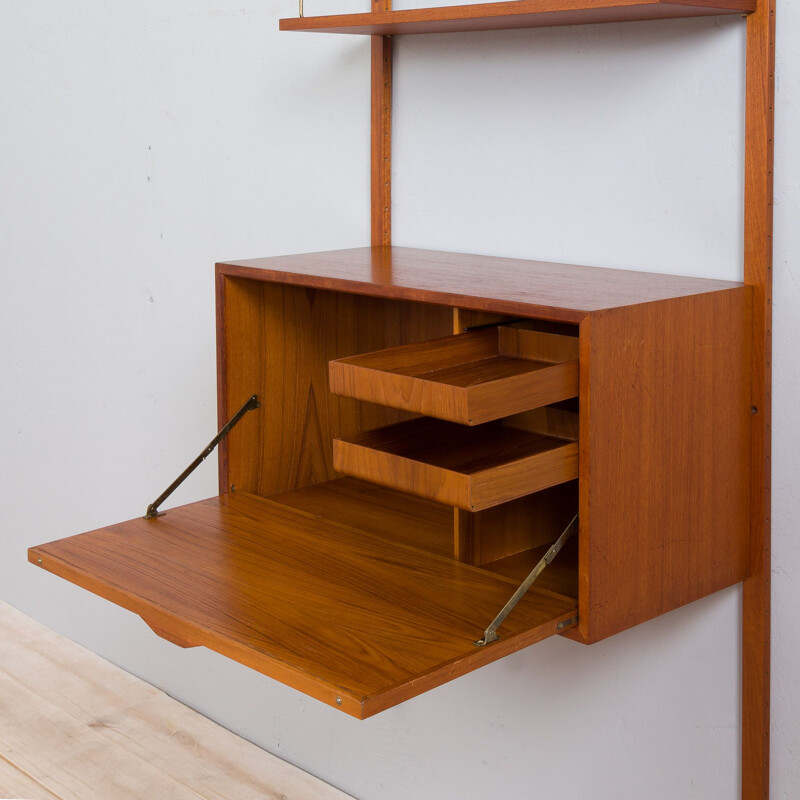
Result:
[{"x": 140, "y": 142}]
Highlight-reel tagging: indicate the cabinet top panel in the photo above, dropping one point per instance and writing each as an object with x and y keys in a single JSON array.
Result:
[
  {"x": 560, "y": 292},
  {"x": 515, "y": 14}
]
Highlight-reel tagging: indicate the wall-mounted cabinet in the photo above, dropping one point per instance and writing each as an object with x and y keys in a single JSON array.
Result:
[{"x": 421, "y": 442}]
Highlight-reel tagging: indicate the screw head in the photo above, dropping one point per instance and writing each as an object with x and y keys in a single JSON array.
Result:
[
  {"x": 338, "y": 700},
  {"x": 38, "y": 560}
]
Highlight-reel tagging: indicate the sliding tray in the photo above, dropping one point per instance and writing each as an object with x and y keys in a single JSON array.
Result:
[
  {"x": 353, "y": 619},
  {"x": 470, "y": 378},
  {"x": 471, "y": 468}
]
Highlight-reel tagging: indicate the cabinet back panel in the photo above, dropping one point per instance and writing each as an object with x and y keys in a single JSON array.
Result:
[
  {"x": 276, "y": 340},
  {"x": 483, "y": 537}
]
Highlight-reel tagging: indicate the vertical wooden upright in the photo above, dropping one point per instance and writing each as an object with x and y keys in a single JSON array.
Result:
[
  {"x": 759, "y": 128},
  {"x": 381, "y": 172}
]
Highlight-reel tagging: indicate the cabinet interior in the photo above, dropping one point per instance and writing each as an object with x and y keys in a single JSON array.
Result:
[{"x": 286, "y": 452}]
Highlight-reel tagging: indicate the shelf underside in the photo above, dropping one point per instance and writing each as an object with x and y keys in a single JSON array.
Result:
[
  {"x": 516, "y": 14},
  {"x": 350, "y": 617}
]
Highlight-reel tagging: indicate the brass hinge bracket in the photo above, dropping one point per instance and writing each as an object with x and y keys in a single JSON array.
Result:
[
  {"x": 490, "y": 634},
  {"x": 152, "y": 509}
]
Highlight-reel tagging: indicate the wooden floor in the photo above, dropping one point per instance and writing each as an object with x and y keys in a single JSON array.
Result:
[{"x": 75, "y": 727}]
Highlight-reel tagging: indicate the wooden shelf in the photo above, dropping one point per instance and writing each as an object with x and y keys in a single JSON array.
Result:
[
  {"x": 520, "y": 288},
  {"x": 470, "y": 468},
  {"x": 470, "y": 378},
  {"x": 351, "y": 618},
  {"x": 377, "y": 510},
  {"x": 517, "y": 14}
]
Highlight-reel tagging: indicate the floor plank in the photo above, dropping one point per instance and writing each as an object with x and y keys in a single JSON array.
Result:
[
  {"x": 72, "y": 760},
  {"x": 85, "y": 728},
  {"x": 14, "y": 783}
]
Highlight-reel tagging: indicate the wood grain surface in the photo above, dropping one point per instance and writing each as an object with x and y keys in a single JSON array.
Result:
[
  {"x": 350, "y": 618},
  {"x": 756, "y": 602},
  {"x": 471, "y": 468},
  {"x": 517, "y": 14},
  {"x": 276, "y": 341},
  {"x": 381, "y": 135},
  {"x": 15, "y": 782},
  {"x": 375, "y": 509},
  {"x": 75, "y": 727},
  {"x": 558, "y": 292},
  {"x": 665, "y": 454},
  {"x": 560, "y": 576},
  {"x": 508, "y": 529},
  {"x": 470, "y": 378}
]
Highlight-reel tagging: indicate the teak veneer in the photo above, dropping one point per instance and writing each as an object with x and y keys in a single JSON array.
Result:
[
  {"x": 653, "y": 354},
  {"x": 355, "y": 620},
  {"x": 470, "y": 379},
  {"x": 517, "y": 287},
  {"x": 663, "y": 517},
  {"x": 380, "y": 511},
  {"x": 472, "y": 469}
]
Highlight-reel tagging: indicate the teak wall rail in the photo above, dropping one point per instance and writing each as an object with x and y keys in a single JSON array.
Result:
[
  {"x": 758, "y": 181},
  {"x": 758, "y": 191}
]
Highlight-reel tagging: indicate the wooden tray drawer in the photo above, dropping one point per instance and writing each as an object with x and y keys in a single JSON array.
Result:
[
  {"x": 470, "y": 378},
  {"x": 471, "y": 468}
]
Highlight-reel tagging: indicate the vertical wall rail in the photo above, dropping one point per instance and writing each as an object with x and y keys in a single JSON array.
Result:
[
  {"x": 759, "y": 129},
  {"x": 381, "y": 172}
]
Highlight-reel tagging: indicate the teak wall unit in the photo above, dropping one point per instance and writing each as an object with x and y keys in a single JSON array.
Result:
[{"x": 430, "y": 422}]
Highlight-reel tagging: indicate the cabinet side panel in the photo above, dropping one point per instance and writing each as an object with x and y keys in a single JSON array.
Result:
[
  {"x": 277, "y": 343},
  {"x": 667, "y": 489}
]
